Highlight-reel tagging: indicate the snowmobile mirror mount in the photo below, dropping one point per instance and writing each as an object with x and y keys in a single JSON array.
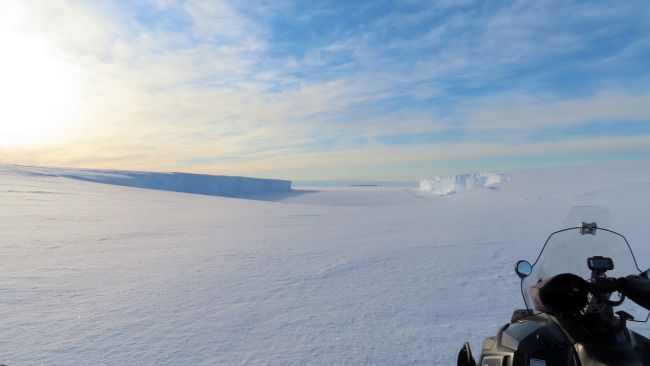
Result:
[
  {"x": 645, "y": 273},
  {"x": 588, "y": 228},
  {"x": 523, "y": 269}
]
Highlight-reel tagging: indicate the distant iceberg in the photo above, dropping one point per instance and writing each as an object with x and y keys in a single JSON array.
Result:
[{"x": 448, "y": 184}]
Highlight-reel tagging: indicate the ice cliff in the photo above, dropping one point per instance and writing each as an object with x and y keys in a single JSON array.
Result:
[
  {"x": 214, "y": 185},
  {"x": 448, "y": 184}
]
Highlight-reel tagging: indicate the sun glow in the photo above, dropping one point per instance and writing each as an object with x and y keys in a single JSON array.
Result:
[{"x": 39, "y": 92}]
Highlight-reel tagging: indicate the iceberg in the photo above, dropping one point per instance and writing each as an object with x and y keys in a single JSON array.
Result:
[{"x": 449, "y": 184}]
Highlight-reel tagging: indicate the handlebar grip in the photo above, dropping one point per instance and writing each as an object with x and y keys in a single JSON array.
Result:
[
  {"x": 637, "y": 289},
  {"x": 604, "y": 285}
]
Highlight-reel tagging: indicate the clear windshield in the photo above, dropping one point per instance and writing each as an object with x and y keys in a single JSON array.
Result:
[{"x": 566, "y": 251}]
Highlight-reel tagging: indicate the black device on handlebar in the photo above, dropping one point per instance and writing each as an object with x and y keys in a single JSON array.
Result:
[
  {"x": 599, "y": 263},
  {"x": 600, "y": 286}
]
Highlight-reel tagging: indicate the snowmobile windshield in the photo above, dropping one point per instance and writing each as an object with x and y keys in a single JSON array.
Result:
[{"x": 567, "y": 251}]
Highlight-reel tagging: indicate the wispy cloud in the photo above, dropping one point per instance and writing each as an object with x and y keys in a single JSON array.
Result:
[
  {"x": 526, "y": 113},
  {"x": 274, "y": 87}
]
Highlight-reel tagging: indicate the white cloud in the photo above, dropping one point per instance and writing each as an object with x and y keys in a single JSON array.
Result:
[
  {"x": 524, "y": 112},
  {"x": 219, "y": 23}
]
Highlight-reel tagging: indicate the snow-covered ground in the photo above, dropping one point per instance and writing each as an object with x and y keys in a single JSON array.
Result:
[{"x": 103, "y": 274}]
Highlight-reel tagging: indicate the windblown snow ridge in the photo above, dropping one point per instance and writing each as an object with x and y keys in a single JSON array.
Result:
[
  {"x": 214, "y": 185},
  {"x": 449, "y": 184}
]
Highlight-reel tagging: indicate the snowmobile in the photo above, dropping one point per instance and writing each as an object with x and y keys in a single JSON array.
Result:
[{"x": 580, "y": 276}]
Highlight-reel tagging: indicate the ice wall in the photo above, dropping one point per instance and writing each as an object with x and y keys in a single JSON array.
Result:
[
  {"x": 448, "y": 184},
  {"x": 214, "y": 185}
]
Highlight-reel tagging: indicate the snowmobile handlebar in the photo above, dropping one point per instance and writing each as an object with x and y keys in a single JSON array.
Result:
[
  {"x": 601, "y": 288},
  {"x": 567, "y": 293},
  {"x": 635, "y": 287},
  {"x": 605, "y": 284}
]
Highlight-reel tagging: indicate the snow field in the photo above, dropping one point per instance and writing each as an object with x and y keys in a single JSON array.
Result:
[{"x": 104, "y": 274}]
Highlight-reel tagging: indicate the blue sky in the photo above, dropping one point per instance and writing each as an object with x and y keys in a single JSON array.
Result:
[{"x": 334, "y": 89}]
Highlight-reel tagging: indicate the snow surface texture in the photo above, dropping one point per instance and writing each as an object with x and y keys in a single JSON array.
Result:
[
  {"x": 448, "y": 184},
  {"x": 214, "y": 185},
  {"x": 102, "y": 274}
]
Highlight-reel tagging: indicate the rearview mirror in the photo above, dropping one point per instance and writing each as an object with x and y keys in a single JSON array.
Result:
[{"x": 523, "y": 269}]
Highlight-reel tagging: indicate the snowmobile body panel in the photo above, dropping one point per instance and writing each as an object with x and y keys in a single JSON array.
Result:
[
  {"x": 543, "y": 340},
  {"x": 527, "y": 342}
]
